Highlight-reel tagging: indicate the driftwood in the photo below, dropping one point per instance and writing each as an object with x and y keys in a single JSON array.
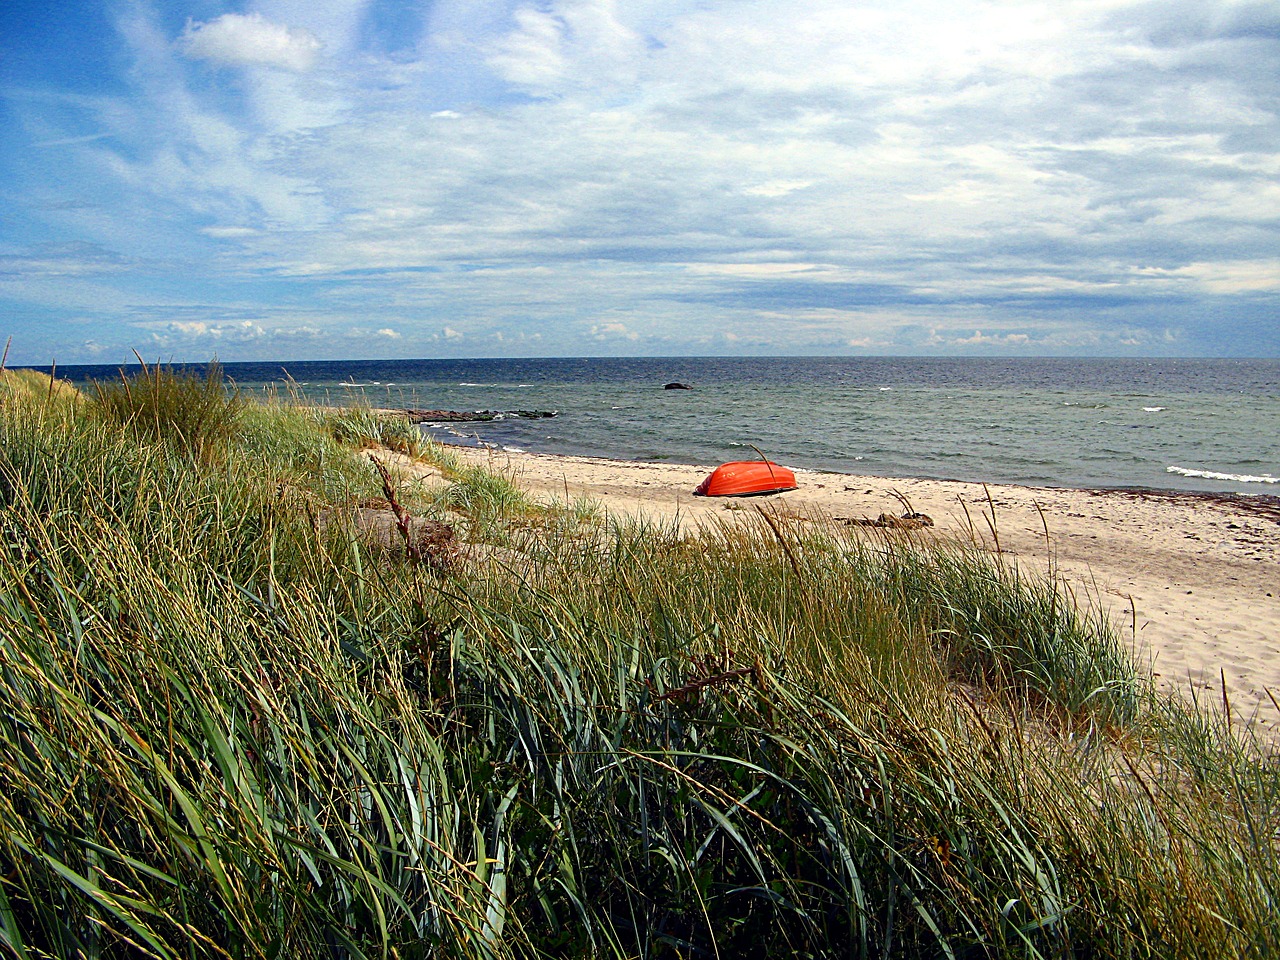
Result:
[
  {"x": 908, "y": 521},
  {"x": 378, "y": 525}
]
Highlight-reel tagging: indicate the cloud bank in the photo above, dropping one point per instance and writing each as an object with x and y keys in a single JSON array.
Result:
[{"x": 662, "y": 176}]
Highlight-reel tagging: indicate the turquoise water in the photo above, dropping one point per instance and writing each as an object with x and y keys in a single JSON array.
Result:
[{"x": 1208, "y": 425}]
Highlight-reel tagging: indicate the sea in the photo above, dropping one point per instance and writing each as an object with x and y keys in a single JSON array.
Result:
[{"x": 1165, "y": 424}]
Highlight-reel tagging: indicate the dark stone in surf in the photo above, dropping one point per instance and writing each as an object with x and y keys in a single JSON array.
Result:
[
  {"x": 676, "y": 385},
  {"x": 478, "y": 416}
]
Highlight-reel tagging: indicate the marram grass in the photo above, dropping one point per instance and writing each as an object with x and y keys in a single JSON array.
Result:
[{"x": 231, "y": 731}]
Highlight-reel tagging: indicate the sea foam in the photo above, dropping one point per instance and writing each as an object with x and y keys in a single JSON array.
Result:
[{"x": 1212, "y": 475}]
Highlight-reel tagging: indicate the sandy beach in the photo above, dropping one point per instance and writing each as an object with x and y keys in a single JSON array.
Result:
[{"x": 1192, "y": 580}]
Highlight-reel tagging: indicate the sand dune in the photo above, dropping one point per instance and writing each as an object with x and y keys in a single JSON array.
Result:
[{"x": 1193, "y": 580}]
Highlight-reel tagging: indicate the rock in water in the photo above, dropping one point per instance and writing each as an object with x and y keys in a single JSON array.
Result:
[
  {"x": 476, "y": 416},
  {"x": 676, "y": 385}
]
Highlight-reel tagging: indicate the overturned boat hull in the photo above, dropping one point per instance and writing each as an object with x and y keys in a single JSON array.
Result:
[{"x": 747, "y": 478}]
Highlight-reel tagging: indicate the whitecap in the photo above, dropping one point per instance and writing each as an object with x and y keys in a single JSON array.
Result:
[
  {"x": 513, "y": 449},
  {"x": 1152, "y": 409},
  {"x": 886, "y": 388},
  {"x": 1213, "y": 475}
]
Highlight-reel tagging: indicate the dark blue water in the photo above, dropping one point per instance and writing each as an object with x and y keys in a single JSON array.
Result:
[{"x": 1210, "y": 425}]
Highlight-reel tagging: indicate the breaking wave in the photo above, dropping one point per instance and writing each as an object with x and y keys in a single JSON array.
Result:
[{"x": 1212, "y": 475}]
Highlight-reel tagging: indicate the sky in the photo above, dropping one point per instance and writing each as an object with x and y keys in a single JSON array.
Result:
[{"x": 329, "y": 179}]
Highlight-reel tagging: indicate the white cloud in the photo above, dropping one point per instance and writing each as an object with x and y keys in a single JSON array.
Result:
[
  {"x": 194, "y": 328},
  {"x": 1249, "y": 276},
  {"x": 777, "y": 188},
  {"x": 229, "y": 233},
  {"x": 177, "y": 331},
  {"x": 982, "y": 339},
  {"x": 758, "y": 269},
  {"x": 531, "y": 54},
  {"x": 388, "y": 333},
  {"x": 250, "y": 40},
  {"x": 573, "y": 43},
  {"x": 302, "y": 332},
  {"x": 613, "y": 331},
  {"x": 63, "y": 260}
]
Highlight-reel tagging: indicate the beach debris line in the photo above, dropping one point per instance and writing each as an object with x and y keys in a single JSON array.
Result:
[
  {"x": 887, "y": 521},
  {"x": 478, "y": 416},
  {"x": 910, "y": 519}
]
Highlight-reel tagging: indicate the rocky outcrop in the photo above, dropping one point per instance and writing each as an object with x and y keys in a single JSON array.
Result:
[{"x": 477, "y": 416}]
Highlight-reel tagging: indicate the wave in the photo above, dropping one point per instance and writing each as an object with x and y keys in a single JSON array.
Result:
[
  {"x": 1213, "y": 475},
  {"x": 1152, "y": 409}
]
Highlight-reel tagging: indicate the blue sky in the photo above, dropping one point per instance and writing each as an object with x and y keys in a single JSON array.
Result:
[{"x": 394, "y": 178}]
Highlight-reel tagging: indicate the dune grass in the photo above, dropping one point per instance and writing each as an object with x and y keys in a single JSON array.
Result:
[
  {"x": 362, "y": 426},
  {"x": 229, "y": 731},
  {"x": 192, "y": 413}
]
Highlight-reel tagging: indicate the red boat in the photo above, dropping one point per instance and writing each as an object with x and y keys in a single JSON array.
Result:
[{"x": 746, "y": 478}]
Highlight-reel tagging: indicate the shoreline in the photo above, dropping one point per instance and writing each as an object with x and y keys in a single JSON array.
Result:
[
  {"x": 430, "y": 428},
  {"x": 1187, "y": 577}
]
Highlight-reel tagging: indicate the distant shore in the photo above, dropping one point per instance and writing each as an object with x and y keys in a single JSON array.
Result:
[{"x": 1189, "y": 578}]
